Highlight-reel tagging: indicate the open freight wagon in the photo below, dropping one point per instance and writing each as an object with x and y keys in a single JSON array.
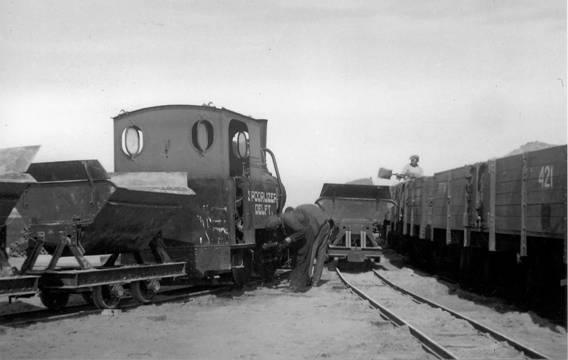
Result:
[
  {"x": 361, "y": 214},
  {"x": 498, "y": 225}
]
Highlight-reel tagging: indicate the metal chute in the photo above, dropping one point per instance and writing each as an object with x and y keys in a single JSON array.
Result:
[
  {"x": 355, "y": 191},
  {"x": 13, "y": 179},
  {"x": 160, "y": 182},
  {"x": 13, "y": 182},
  {"x": 17, "y": 159}
]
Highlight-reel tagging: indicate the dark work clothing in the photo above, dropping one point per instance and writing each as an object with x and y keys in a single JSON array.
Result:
[
  {"x": 307, "y": 227},
  {"x": 320, "y": 251}
]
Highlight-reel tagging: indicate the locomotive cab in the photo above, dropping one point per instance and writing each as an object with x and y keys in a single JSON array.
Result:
[{"x": 225, "y": 157}]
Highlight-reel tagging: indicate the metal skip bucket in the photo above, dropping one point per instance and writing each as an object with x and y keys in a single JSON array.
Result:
[
  {"x": 13, "y": 182},
  {"x": 99, "y": 212}
]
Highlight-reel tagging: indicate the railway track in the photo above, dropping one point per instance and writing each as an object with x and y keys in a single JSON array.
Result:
[
  {"x": 443, "y": 332},
  {"x": 19, "y": 319}
]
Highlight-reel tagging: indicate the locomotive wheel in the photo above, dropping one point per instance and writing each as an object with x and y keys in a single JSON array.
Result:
[
  {"x": 54, "y": 300},
  {"x": 265, "y": 264},
  {"x": 143, "y": 291},
  {"x": 107, "y": 296},
  {"x": 88, "y": 298},
  {"x": 332, "y": 265},
  {"x": 241, "y": 275},
  {"x": 267, "y": 271}
]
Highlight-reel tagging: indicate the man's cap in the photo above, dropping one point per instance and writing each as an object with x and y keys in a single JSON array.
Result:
[
  {"x": 273, "y": 222},
  {"x": 414, "y": 157}
]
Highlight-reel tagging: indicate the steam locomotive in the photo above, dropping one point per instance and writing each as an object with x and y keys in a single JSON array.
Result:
[{"x": 188, "y": 200}]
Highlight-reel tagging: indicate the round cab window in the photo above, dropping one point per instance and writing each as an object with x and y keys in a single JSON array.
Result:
[
  {"x": 241, "y": 145},
  {"x": 132, "y": 141}
]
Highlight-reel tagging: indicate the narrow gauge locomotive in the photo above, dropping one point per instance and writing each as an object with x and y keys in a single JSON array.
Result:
[
  {"x": 189, "y": 199},
  {"x": 225, "y": 157},
  {"x": 498, "y": 225},
  {"x": 361, "y": 214}
]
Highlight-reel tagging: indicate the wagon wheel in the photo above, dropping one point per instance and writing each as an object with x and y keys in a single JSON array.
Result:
[
  {"x": 107, "y": 296},
  {"x": 143, "y": 291},
  {"x": 54, "y": 300},
  {"x": 332, "y": 265}
]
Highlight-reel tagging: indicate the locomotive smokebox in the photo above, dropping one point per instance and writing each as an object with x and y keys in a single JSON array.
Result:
[{"x": 79, "y": 202}]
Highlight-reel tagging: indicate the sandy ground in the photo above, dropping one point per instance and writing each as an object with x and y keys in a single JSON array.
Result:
[
  {"x": 266, "y": 323},
  {"x": 258, "y": 323}
]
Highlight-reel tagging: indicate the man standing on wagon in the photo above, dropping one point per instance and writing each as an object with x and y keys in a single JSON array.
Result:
[
  {"x": 306, "y": 231},
  {"x": 412, "y": 170}
]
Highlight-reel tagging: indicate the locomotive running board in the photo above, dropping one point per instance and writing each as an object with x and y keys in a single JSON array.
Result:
[{"x": 74, "y": 279}]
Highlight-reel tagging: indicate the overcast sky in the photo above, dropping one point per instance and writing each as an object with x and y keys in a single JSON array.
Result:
[{"x": 347, "y": 86}]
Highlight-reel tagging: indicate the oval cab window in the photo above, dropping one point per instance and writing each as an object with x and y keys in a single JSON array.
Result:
[
  {"x": 132, "y": 141},
  {"x": 202, "y": 135},
  {"x": 241, "y": 145}
]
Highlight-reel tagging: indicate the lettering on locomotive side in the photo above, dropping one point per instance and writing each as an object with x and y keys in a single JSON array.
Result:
[
  {"x": 263, "y": 209},
  {"x": 265, "y": 203},
  {"x": 262, "y": 197}
]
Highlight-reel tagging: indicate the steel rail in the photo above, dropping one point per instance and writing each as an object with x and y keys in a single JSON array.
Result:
[
  {"x": 46, "y": 315},
  {"x": 41, "y": 315},
  {"x": 531, "y": 353},
  {"x": 429, "y": 344}
]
